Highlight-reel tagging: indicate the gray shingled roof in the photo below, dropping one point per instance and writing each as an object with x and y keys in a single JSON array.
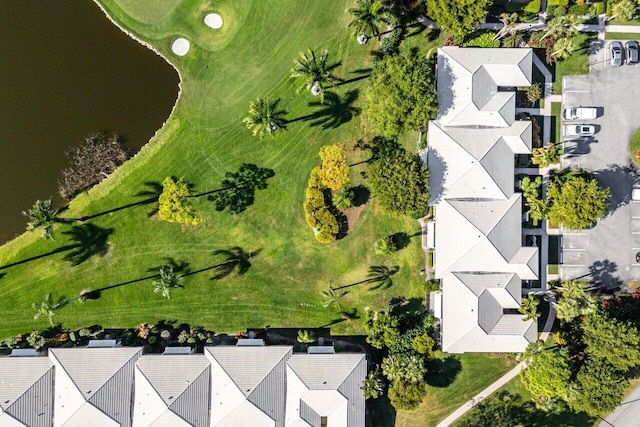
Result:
[
  {"x": 26, "y": 389},
  {"x": 259, "y": 373},
  {"x": 104, "y": 377},
  {"x": 183, "y": 383}
]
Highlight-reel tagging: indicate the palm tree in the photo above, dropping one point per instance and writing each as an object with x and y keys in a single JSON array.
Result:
[
  {"x": 563, "y": 48},
  {"x": 331, "y": 297},
  {"x": 509, "y": 23},
  {"x": 545, "y": 156},
  {"x": 314, "y": 72},
  {"x": 265, "y": 117},
  {"x": 368, "y": 16},
  {"x": 42, "y": 215},
  {"x": 342, "y": 198},
  {"x": 167, "y": 282},
  {"x": 46, "y": 308},
  {"x": 529, "y": 308},
  {"x": 562, "y": 26}
]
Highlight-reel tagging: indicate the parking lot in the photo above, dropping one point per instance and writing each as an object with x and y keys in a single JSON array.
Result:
[{"x": 605, "y": 254}]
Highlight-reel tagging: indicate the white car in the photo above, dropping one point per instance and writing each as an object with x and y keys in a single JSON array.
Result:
[
  {"x": 579, "y": 130},
  {"x": 580, "y": 113},
  {"x": 635, "y": 195}
]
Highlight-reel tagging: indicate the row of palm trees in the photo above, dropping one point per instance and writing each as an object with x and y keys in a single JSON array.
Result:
[{"x": 314, "y": 72}]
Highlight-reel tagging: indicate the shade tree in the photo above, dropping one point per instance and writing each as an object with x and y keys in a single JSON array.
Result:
[
  {"x": 401, "y": 94},
  {"x": 575, "y": 200},
  {"x": 458, "y": 17},
  {"x": 400, "y": 182},
  {"x": 547, "y": 374}
]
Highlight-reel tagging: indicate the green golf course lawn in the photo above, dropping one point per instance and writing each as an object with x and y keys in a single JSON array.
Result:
[{"x": 250, "y": 56}]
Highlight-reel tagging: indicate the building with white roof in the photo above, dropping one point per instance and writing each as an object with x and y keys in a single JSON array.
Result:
[
  {"x": 226, "y": 386},
  {"x": 478, "y": 229}
]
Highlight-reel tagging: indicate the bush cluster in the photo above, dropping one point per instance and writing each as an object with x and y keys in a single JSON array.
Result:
[{"x": 316, "y": 211}]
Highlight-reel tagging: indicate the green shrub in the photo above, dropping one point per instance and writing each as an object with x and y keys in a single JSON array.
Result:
[
  {"x": 84, "y": 332},
  {"x": 72, "y": 336},
  {"x": 152, "y": 339},
  {"x": 405, "y": 395},
  {"x": 483, "y": 40},
  {"x": 579, "y": 9},
  {"x": 385, "y": 246},
  {"x": 316, "y": 212},
  {"x": 392, "y": 42},
  {"x": 634, "y": 147}
]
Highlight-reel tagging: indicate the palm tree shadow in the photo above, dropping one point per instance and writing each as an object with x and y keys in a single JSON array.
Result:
[
  {"x": 362, "y": 73},
  {"x": 181, "y": 268},
  {"x": 88, "y": 240},
  {"x": 334, "y": 112},
  {"x": 152, "y": 194},
  {"x": 379, "y": 274},
  {"x": 236, "y": 259},
  {"x": 239, "y": 188}
]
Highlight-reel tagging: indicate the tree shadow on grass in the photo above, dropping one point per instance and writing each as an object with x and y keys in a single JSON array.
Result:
[
  {"x": 381, "y": 275},
  {"x": 89, "y": 240},
  {"x": 361, "y": 195},
  {"x": 334, "y": 112},
  {"x": 235, "y": 259},
  {"x": 442, "y": 372},
  {"x": 151, "y": 194},
  {"x": 239, "y": 188},
  {"x": 401, "y": 240}
]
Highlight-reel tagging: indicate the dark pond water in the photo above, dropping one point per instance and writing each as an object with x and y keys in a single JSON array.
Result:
[{"x": 66, "y": 71}]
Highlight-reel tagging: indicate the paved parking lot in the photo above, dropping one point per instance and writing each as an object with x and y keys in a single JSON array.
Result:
[{"x": 605, "y": 254}]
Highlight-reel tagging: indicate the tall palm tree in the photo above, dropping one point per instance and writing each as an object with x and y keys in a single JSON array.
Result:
[
  {"x": 265, "y": 117},
  {"x": 42, "y": 215},
  {"x": 562, "y": 26},
  {"x": 167, "y": 282},
  {"x": 46, "y": 308},
  {"x": 368, "y": 16},
  {"x": 343, "y": 198},
  {"x": 314, "y": 72},
  {"x": 331, "y": 297},
  {"x": 509, "y": 22}
]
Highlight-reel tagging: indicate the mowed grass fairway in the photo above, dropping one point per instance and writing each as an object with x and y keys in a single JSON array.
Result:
[{"x": 250, "y": 56}]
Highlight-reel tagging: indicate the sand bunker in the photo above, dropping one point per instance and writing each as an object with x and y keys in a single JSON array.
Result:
[
  {"x": 180, "y": 46},
  {"x": 213, "y": 20}
]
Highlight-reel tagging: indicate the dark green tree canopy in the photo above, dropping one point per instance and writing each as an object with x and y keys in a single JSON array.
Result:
[
  {"x": 458, "y": 17},
  {"x": 598, "y": 389},
  {"x": 400, "y": 182},
  {"x": 401, "y": 95},
  {"x": 547, "y": 374},
  {"x": 614, "y": 342}
]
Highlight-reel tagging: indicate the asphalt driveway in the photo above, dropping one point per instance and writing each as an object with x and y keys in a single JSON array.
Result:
[{"x": 605, "y": 254}]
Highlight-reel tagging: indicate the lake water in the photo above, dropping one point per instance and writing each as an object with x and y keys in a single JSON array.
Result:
[{"x": 66, "y": 71}]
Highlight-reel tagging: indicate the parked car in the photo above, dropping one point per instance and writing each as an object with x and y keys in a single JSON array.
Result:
[
  {"x": 579, "y": 130},
  {"x": 615, "y": 53},
  {"x": 635, "y": 194},
  {"x": 580, "y": 113},
  {"x": 633, "y": 50}
]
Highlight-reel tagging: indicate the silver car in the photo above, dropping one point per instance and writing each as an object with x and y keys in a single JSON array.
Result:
[
  {"x": 616, "y": 53},
  {"x": 632, "y": 47}
]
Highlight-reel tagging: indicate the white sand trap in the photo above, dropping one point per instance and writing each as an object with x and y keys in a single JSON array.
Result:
[
  {"x": 180, "y": 46},
  {"x": 213, "y": 20}
]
